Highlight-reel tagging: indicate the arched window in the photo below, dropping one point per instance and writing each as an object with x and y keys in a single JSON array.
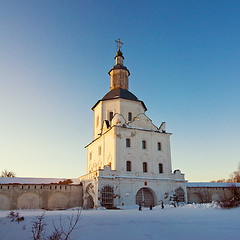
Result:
[
  {"x": 159, "y": 146},
  {"x": 145, "y": 167},
  {"x": 97, "y": 121},
  {"x": 128, "y": 142},
  {"x": 129, "y": 116},
  {"x": 99, "y": 150},
  {"x": 110, "y": 116},
  {"x": 129, "y": 166},
  {"x": 160, "y": 166}
]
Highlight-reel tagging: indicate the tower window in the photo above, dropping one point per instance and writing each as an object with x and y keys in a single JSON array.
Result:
[
  {"x": 99, "y": 150},
  {"x": 145, "y": 167},
  {"x": 97, "y": 121},
  {"x": 90, "y": 156},
  {"x": 144, "y": 144},
  {"x": 160, "y": 166},
  {"x": 110, "y": 116},
  {"x": 128, "y": 142},
  {"x": 129, "y": 116},
  {"x": 159, "y": 145},
  {"x": 129, "y": 166}
]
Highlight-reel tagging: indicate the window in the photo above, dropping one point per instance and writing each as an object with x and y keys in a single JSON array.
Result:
[
  {"x": 129, "y": 116},
  {"x": 110, "y": 116},
  {"x": 99, "y": 150},
  {"x": 144, "y": 144},
  {"x": 145, "y": 167},
  {"x": 97, "y": 122},
  {"x": 90, "y": 156},
  {"x": 159, "y": 146},
  {"x": 128, "y": 142},
  {"x": 160, "y": 166},
  {"x": 129, "y": 166}
]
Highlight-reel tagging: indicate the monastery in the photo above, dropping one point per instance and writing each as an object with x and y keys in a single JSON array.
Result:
[
  {"x": 128, "y": 162},
  {"x": 129, "y": 159}
]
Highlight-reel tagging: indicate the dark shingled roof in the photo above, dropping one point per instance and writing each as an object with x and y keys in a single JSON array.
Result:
[
  {"x": 119, "y": 67},
  {"x": 120, "y": 93}
]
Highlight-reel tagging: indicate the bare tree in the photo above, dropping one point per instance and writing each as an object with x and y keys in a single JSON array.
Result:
[
  {"x": 7, "y": 173},
  {"x": 60, "y": 233},
  {"x": 38, "y": 227},
  {"x": 234, "y": 177}
]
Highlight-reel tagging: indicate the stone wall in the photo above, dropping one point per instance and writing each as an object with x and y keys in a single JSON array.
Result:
[
  {"x": 40, "y": 196},
  {"x": 209, "y": 194}
]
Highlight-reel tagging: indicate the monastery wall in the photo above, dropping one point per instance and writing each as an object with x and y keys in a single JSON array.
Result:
[
  {"x": 210, "y": 192},
  {"x": 40, "y": 196}
]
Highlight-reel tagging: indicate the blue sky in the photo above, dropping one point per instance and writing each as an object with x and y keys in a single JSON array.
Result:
[{"x": 55, "y": 56}]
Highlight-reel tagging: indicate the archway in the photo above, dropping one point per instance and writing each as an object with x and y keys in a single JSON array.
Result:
[
  {"x": 90, "y": 202},
  {"x": 216, "y": 197},
  {"x": 145, "y": 197},
  {"x": 107, "y": 196},
  {"x": 29, "y": 201},
  {"x": 58, "y": 200},
  {"x": 195, "y": 198},
  {"x": 180, "y": 194},
  {"x": 4, "y": 202}
]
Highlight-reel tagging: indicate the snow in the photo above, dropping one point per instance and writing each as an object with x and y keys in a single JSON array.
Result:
[
  {"x": 20, "y": 180},
  {"x": 211, "y": 184},
  {"x": 192, "y": 221}
]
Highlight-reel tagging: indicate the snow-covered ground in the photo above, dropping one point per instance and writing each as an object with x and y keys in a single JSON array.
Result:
[{"x": 194, "y": 222}]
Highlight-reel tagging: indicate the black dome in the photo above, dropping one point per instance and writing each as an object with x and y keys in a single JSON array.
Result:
[
  {"x": 119, "y": 53},
  {"x": 120, "y": 93}
]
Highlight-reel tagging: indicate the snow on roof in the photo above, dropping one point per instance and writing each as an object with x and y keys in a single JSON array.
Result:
[
  {"x": 211, "y": 184},
  {"x": 20, "y": 180}
]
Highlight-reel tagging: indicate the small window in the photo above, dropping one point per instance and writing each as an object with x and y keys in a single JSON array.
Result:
[
  {"x": 145, "y": 167},
  {"x": 160, "y": 166},
  {"x": 110, "y": 116},
  {"x": 129, "y": 166},
  {"x": 129, "y": 116},
  {"x": 97, "y": 121},
  {"x": 128, "y": 142},
  {"x": 99, "y": 150},
  {"x": 144, "y": 144},
  {"x": 90, "y": 156},
  {"x": 159, "y": 146}
]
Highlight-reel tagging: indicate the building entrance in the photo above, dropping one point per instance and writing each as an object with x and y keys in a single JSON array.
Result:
[{"x": 145, "y": 197}]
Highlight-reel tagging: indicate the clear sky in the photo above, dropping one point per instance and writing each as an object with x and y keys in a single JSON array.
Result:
[{"x": 54, "y": 60}]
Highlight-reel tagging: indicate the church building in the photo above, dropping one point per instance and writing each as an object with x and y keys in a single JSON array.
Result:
[{"x": 129, "y": 158}]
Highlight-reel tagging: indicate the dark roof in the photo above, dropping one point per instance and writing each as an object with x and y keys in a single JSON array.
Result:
[
  {"x": 119, "y": 67},
  {"x": 119, "y": 53},
  {"x": 120, "y": 93}
]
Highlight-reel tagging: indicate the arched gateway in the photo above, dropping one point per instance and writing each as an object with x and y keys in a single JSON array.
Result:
[{"x": 146, "y": 197}]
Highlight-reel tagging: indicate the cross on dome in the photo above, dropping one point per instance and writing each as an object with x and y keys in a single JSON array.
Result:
[{"x": 119, "y": 43}]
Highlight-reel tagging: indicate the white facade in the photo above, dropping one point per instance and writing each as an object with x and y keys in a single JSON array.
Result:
[{"x": 129, "y": 159}]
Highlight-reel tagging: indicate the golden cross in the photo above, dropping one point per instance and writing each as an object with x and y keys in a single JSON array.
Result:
[{"x": 118, "y": 41}]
